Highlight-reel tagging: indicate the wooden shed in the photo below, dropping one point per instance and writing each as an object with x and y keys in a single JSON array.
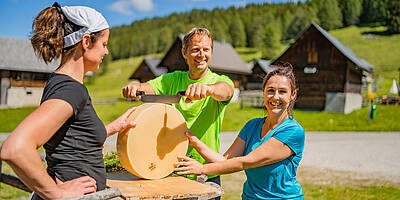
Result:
[
  {"x": 148, "y": 70},
  {"x": 225, "y": 60},
  {"x": 22, "y": 74},
  {"x": 260, "y": 69},
  {"x": 329, "y": 75}
]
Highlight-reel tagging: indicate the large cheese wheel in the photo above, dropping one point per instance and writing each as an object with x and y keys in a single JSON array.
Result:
[{"x": 150, "y": 149}]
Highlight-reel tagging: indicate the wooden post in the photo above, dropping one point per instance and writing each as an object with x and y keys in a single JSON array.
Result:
[
  {"x": 14, "y": 181},
  {"x": 399, "y": 82}
]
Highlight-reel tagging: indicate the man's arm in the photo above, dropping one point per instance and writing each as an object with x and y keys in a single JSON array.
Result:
[
  {"x": 129, "y": 91},
  {"x": 220, "y": 91}
]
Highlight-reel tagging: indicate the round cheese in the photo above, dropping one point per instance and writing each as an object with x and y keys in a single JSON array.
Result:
[{"x": 150, "y": 149}]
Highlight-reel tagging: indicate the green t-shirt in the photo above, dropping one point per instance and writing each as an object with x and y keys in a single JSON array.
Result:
[{"x": 204, "y": 117}]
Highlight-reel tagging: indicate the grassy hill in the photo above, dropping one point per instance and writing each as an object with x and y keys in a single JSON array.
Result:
[
  {"x": 375, "y": 46},
  {"x": 117, "y": 76},
  {"x": 369, "y": 43}
]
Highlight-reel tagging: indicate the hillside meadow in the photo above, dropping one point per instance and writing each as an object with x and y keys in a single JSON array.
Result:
[
  {"x": 370, "y": 43},
  {"x": 373, "y": 44}
]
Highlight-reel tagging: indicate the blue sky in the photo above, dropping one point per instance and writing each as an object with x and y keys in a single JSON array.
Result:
[{"x": 16, "y": 16}]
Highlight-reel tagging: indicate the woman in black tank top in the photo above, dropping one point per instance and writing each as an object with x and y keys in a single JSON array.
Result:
[{"x": 65, "y": 123}]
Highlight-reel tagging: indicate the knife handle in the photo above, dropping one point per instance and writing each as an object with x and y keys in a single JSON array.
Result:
[
  {"x": 182, "y": 93},
  {"x": 140, "y": 93}
]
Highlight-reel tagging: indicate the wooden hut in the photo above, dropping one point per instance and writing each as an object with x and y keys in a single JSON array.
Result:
[
  {"x": 148, "y": 70},
  {"x": 260, "y": 69},
  {"x": 329, "y": 75},
  {"x": 22, "y": 74},
  {"x": 225, "y": 60}
]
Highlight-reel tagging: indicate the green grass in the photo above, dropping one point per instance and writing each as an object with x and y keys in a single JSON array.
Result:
[
  {"x": 108, "y": 113},
  {"x": 233, "y": 187},
  {"x": 235, "y": 118},
  {"x": 9, "y": 192},
  {"x": 318, "y": 192},
  {"x": 321, "y": 192},
  {"x": 117, "y": 76},
  {"x": 381, "y": 50},
  {"x": 248, "y": 54},
  {"x": 10, "y": 118},
  {"x": 386, "y": 119}
]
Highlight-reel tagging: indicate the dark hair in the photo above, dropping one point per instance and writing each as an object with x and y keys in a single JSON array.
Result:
[
  {"x": 284, "y": 69},
  {"x": 48, "y": 30},
  {"x": 187, "y": 39}
]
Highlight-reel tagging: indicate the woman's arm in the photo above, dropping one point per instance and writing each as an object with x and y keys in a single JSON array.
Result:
[
  {"x": 236, "y": 149},
  {"x": 270, "y": 152},
  {"x": 120, "y": 123},
  {"x": 19, "y": 150}
]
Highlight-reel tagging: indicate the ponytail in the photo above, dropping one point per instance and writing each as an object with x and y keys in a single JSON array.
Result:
[{"x": 47, "y": 34}]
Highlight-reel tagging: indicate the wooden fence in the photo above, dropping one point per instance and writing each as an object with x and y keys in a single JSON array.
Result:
[
  {"x": 105, "y": 101},
  {"x": 251, "y": 98}
]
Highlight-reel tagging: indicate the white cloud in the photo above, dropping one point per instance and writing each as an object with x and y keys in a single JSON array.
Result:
[
  {"x": 143, "y": 5},
  {"x": 125, "y": 6},
  {"x": 121, "y": 7}
]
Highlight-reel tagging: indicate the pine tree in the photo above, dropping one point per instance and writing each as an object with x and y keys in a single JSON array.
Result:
[
  {"x": 165, "y": 39},
  {"x": 373, "y": 11},
  {"x": 237, "y": 32},
  {"x": 329, "y": 14},
  {"x": 351, "y": 11},
  {"x": 301, "y": 20},
  {"x": 393, "y": 16},
  {"x": 270, "y": 40},
  {"x": 256, "y": 31},
  {"x": 218, "y": 31}
]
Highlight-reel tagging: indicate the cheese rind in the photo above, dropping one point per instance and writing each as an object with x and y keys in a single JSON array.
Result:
[{"x": 150, "y": 149}]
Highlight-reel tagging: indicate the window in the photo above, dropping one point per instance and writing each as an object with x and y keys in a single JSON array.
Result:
[{"x": 310, "y": 69}]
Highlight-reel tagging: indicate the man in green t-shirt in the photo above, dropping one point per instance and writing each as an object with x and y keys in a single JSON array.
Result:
[{"x": 206, "y": 96}]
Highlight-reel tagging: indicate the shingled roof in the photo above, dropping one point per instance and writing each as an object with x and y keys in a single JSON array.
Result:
[
  {"x": 152, "y": 63},
  {"x": 265, "y": 65},
  {"x": 18, "y": 55}
]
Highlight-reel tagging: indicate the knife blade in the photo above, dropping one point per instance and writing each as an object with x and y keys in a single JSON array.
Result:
[{"x": 152, "y": 98}]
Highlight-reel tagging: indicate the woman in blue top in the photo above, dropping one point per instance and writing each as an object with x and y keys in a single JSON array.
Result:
[{"x": 268, "y": 149}]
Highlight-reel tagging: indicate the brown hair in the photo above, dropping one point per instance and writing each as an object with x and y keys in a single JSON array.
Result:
[
  {"x": 187, "y": 39},
  {"x": 284, "y": 69},
  {"x": 47, "y": 36}
]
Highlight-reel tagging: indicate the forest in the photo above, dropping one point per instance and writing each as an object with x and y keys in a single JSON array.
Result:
[{"x": 263, "y": 26}]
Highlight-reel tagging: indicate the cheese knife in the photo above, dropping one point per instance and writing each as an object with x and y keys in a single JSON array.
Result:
[{"x": 152, "y": 98}]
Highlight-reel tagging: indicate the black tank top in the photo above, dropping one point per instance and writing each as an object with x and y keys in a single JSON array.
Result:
[{"x": 76, "y": 148}]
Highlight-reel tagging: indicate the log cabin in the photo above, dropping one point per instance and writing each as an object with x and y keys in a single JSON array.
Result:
[
  {"x": 148, "y": 70},
  {"x": 329, "y": 75}
]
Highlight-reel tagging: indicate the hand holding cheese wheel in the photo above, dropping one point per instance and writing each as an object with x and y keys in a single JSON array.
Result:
[{"x": 150, "y": 149}]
